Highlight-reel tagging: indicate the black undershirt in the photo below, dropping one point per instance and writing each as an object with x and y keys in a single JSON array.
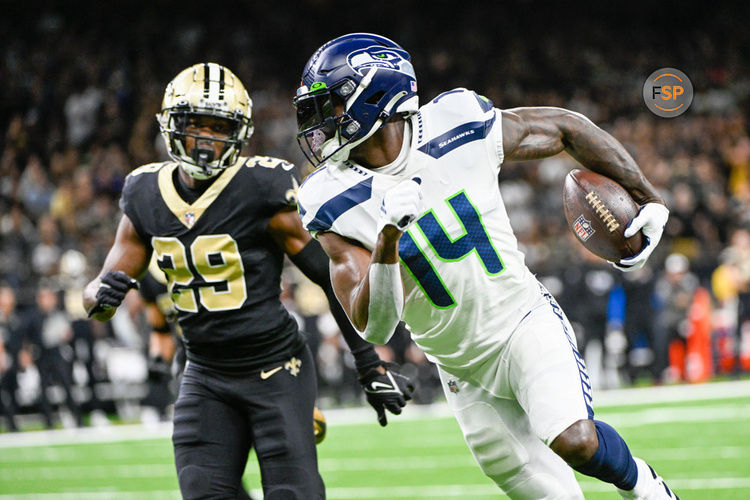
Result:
[{"x": 188, "y": 194}]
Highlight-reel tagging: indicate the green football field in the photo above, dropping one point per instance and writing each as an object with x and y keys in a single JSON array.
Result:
[{"x": 697, "y": 437}]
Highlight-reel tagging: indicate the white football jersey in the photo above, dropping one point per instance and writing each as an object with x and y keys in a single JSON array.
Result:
[{"x": 466, "y": 284}]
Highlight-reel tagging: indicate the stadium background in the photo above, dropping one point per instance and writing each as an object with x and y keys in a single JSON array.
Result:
[{"x": 81, "y": 84}]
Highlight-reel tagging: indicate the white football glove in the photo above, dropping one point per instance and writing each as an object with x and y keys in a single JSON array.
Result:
[
  {"x": 402, "y": 204},
  {"x": 651, "y": 219}
]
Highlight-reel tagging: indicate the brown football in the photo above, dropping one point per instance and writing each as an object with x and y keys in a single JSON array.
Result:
[{"x": 598, "y": 210}]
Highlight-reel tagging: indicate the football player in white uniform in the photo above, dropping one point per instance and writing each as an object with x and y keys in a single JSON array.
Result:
[{"x": 407, "y": 205}]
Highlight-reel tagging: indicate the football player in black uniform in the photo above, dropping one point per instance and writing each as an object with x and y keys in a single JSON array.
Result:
[{"x": 218, "y": 225}]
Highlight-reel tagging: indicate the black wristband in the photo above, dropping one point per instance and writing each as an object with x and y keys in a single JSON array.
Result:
[
  {"x": 163, "y": 328},
  {"x": 366, "y": 358}
]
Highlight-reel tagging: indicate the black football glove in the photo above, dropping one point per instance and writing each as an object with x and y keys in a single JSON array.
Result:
[
  {"x": 386, "y": 391},
  {"x": 111, "y": 292}
]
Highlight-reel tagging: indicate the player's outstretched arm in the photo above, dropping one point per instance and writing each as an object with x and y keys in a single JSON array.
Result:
[
  {"x": 538, "y": 132},
  {"x": 127, "y": 259}
]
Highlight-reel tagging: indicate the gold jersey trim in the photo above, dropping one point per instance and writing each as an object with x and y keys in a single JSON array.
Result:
[{"x": 186, "y": 213}]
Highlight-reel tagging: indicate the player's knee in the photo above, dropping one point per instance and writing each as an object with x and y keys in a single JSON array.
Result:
[
  {"x": 295, "y": 493},
  {"x": 495, "y": 448},
  {"x": 195, "y": 483},
  {"x": 578, "y": 443}
]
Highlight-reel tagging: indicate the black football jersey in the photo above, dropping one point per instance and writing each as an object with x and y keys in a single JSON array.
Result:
[
  {"x": 154, "y": 289},
  {"x": 223, "y": 268}
]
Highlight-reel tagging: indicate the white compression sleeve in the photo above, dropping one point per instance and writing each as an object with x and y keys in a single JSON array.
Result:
[{"x": 386, "y": 302}]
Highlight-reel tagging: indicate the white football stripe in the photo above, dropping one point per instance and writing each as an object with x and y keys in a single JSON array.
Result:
[
  {"x": 417, "y": 491},
  {"x": 213, "y": 79}
]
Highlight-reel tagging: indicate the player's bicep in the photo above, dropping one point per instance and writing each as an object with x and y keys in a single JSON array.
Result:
[
  {"x": 129, "y": 253},
  {"x": 532, "y": 133},
  {"x": 286, "y": 230}
]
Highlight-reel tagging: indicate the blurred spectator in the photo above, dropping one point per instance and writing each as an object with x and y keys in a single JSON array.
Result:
[
  {"x": 731, "y": 287},
  {"x": 584, "y": 294},
  {"x": 639, "y": 328},
  {"x": 49, "y": 332},
  {"x": 674, "y": 291},
  {"x": 11, "y": 334},
  {"x": 81, "y": 111},
  {"x": 46, "y": 254},
  {"x": 34, "y": 189},
  {"x": 17, "y": 233}
]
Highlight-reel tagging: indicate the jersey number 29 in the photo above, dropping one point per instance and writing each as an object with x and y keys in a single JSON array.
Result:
[{"x": 216, "y": 258}]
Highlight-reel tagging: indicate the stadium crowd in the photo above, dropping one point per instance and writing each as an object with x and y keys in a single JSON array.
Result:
[{"x": 77, "y": 114}]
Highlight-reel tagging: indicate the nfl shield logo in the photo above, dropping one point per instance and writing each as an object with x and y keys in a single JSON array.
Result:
[
  {"x": 583, "y": 228},
  {"x": 190, "y": 219},
  {"x": 453, "y": 386},
  {"x": 413, "y": 86}
]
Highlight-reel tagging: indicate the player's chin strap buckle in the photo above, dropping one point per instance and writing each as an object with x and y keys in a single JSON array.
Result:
[{"x": 202, "y": 157}]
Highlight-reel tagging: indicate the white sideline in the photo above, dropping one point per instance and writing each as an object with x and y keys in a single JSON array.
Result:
[
  {"x": 359, "y": 415},
  {"x": 671, "y": 393},
  {"x": 361, "y": 493}
]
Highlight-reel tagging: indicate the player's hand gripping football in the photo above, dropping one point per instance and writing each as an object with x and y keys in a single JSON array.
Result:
[
  {"x": 386, "y": 391},
  {"x": 651, "y": 219},
  {"x": 112, "y": 291},
  {"x": 402, "y": 204}
]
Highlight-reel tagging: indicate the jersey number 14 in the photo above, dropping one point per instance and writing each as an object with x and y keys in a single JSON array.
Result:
[{"x": 474, "y": 240}]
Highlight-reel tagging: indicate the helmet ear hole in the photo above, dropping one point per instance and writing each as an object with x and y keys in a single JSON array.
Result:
[{"x": 376, "y": 97}]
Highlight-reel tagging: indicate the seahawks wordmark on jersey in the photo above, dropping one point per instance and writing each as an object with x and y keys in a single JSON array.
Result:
[
  {"x": 222, "y": 266},
  {"x": 465, "y": 280}
]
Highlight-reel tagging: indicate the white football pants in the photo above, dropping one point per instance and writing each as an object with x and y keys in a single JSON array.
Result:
[{"x": 515, "y": 405}]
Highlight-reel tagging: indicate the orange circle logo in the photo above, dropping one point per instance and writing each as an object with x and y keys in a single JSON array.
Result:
[{"x": 668, "y": 92}]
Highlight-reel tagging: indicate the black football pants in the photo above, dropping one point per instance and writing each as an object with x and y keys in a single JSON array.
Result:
[{"x": 219, "y": 416}]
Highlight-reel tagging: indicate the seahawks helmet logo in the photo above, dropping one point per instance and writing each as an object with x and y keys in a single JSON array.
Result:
[{"x": 379, "y": 57}]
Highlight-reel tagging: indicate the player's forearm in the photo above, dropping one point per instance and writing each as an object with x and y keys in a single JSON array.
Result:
[
  {"x": 598, "y": 151},
  {"x": 385, "y": 252},
  {"x": 161, "y": 344},
  {"x": 380, "y": 299},
  {"x": 313, "y": 263}
]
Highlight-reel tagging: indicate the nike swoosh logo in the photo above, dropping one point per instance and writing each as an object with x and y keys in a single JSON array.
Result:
[
  {"x": 378, "y": 385},
  {"x": 265, "y": 374}
]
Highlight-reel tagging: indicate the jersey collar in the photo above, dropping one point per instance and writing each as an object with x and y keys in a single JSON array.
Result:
[{"x": 188, "y": 214}]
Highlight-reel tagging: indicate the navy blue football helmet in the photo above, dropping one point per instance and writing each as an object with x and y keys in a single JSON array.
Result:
[{"x": 369, "y": 76}]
